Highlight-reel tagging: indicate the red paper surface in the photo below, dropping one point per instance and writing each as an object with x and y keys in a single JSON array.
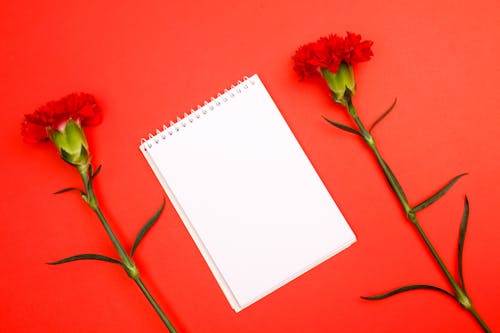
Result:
[{"x": 149, "y": 62}]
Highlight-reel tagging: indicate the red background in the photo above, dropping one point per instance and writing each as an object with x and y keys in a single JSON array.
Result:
[{"x": 148, "y": 62}]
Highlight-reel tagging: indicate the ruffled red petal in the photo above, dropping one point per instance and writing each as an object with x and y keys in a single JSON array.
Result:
[
  {"x": 302, "y": 64},
  {"x": 33, "y": 133},
  {"x": 80, "y": 107},
  {"x": 329, "y": 52}
]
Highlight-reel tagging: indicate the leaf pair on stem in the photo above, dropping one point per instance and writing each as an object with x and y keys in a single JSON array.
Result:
[
  {"x": 461, "y": 239},
  {"x": 355, "y": 131},
  {"x": 92, "y": 256}
]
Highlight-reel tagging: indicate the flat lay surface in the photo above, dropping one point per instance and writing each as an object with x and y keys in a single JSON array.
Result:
[{"x": 148, "y": 63}]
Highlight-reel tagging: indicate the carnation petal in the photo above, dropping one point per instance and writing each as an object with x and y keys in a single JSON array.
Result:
[
  {"x": 81, "y": 107},
  {"x": 33, "y": 133},
  {"x": 329, "y": 52},
  {"x": 334, "y": 66}
]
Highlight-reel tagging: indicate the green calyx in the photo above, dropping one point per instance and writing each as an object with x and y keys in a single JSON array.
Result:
[
  {"x": 71, "y": 143},
  {"x": 341, "y": 83}
]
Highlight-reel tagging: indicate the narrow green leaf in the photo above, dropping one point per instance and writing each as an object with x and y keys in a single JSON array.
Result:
[
  {"x": 461, "y": 239},
  {"x": 383, "y": 115},
  {"x": 343, "y": 127},
  {"x": 433, "y": 198},
  {"x": 145, "y": 228},
  {"x": 85, "y": 256},
  {"x": 406, "y": 288},
  {"x": 68, "y": 189},
  {"x": 395, "y": 180},
  {"x": 94, "y": 174}
]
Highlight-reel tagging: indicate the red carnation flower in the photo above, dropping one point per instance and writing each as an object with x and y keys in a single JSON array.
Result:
[
  {"x": 80, "y": 107},
  {"x": 329, "y": 52}
]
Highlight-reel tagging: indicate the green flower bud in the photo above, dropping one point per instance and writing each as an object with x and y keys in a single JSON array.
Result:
[
  {"x": 71, "y": 143},
  {"x": 341, "y": 83}
]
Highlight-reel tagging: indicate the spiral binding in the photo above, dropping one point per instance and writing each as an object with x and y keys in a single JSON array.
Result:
[{"x": 213, "y": 104}]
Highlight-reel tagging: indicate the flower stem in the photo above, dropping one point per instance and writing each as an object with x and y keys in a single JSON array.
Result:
[
  {"x": 460, "y": 295},
  {"x": 479, "y": 320},
  {"x": 155, "y": 305},
  {"x": 126, "y": 261}
]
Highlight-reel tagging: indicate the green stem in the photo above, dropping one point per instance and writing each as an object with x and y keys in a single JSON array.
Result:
[
  {"x": 155, "y": 305},
  {"x": 460, "y": 294},
  {"x": 127, "y": 262},
  {"x": 479, "y": 320}
]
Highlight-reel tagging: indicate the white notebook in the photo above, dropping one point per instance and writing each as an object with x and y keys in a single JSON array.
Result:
[{"x": 247, "y": 193}]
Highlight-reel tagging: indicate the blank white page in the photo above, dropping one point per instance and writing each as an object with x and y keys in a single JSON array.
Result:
[{"x": 247, "y": 193}]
